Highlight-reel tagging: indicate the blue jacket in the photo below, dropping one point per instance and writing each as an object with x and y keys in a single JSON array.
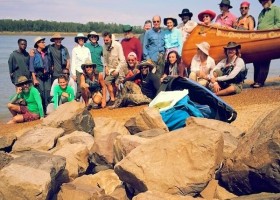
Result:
[{"x": 153, "y": 44}]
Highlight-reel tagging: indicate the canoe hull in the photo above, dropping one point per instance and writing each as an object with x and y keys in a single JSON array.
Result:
[{"x": 255, "y": 45}]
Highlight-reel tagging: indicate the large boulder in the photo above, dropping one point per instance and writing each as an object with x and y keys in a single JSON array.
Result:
[
  {"x": 71, "y": 116},
  {"x": 156, "y": 195},
  {"x": 124, "y": 144},
  {"x": 33, "y": 175},
  {"x": 230, "y": 133},
  {"x": 39, "y": 138},
  {"x": 5, "y": 159},
  {"x": 76, "y": 158},
  {"x": 180, "y": 162},
  {"x": 254, "y": 166},
  {"x": 7, "y": 140},
  {"x": 148, "y": 118}
]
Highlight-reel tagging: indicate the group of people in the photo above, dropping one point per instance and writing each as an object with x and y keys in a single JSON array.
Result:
[{"x": 129, "y": 72}]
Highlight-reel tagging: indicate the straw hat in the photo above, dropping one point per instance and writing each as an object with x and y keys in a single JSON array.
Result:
[
  {"x": 206, "y": 12},
  {"x": 93, "y": 33},
  {"x": 38, "y": 39},
  {"x": 232, "y": 45},
  {"x": 204, "y": 47},
  {"x": 80, "y": 35},
  {"x": 22, "y": 79},
  {"x": 173, "y": 19},
  {"x": 56, "y": 36},
  {"x": 88, "y": 63},
  {"x": 148, "y": 63}
]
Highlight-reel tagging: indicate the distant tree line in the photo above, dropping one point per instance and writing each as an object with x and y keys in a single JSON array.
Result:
[{"x": 53, "y": 26}]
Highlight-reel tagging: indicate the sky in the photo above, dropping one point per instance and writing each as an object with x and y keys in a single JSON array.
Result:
[{"x": 133, "y": 12}]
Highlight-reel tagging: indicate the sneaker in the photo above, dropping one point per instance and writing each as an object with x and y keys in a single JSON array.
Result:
[
  {"x": 110, "y": 103},
  {"x": 257, "y": 85}
]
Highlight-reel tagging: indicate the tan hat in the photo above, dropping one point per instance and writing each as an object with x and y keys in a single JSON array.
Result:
[
  {"x": 38, "y": 39},
  {"x": 204, "y": 47},
  {"x": 56, "y": 36},
  {"x": 88, "y": 63},
  {"x": 21, "y": 80},
  {"x": 232, "y": 45},
  {"x": 148, "y": 63},
  {"x": 93, "y": 33}
]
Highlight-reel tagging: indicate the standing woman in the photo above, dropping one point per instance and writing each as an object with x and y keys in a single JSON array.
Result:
[
  {"x": 226, "y": 18},
  {"x": 172, "y": 36},
  {"x": 93, "y": 85},
  {"x": 206, "y": 17},
  {"x": 202, "y": 64},
  {"x": 40, "y": 68},
  {"x": 173, "y": 66},
  {"x": 229, "y": 74}
]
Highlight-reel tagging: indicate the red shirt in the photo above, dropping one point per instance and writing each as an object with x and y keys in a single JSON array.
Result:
[{"x": 132, "y": 45}]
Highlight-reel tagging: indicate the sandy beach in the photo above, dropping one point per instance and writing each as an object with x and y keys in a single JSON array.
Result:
[{"x": 250, "y": 104}]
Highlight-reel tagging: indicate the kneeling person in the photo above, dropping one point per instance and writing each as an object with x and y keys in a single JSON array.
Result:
[
  {"x": 32, "y": 109},
  {"x": 132, "y": 93},
  {"x": 93, "y": 85}
]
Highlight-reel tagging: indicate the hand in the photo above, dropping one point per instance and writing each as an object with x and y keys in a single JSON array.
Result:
[
  {"x": 216, "y": 87},
  {"x": 19, "y": 90},
  {"x": 107, "y": 71},
  {"x": 31, "y": 53},
  {"x": 36, "y": 82},
  {"x": 65, "y": 94},
  {"x": 213, "y": 79},
  {"x": 85, "y": 85},
  {"x": 103, "y": 104},
  {"x": 74, "y": 78},
  {"x": 115, "y": 73}
]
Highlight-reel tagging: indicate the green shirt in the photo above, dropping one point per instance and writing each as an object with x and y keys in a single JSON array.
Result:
[
  {"x": 58, "y": 92},
  {"x": 96, "y": 52},
  {"x": 269, "y": 19},
  {"x": 33, "y": 100}
]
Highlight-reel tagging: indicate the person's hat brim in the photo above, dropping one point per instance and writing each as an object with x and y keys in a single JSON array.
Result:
[
  {"x": 173, "y": 19},
  {"x": 22, "y": 82},
  {"x": 206, "y": 12},
  {"x": 89, "y": 64},
  {"x": 146, "y": 63},
  {"x": 53, "y": 39}
]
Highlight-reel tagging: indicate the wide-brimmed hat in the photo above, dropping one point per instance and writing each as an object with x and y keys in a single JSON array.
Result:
[
  {"x": 186, "y": 12},
  {"x": 36, "y": 40},
  {"x": 211, "y": 13},
  {"x": 232, "y": 45},
  {"x": 88, "y": 63},
  {"x": 173, "y": 19},
  {"x": 271, "y": 1},
  {"x": 80, "y": 35},
  {"x": 127, "y": 28},
  {"x": 22, "y": 79},
  {"x": 225, "y": 2},
  {"x": 93, "y": 33},
  {"x": 204, "y": 47},
  {"x": 148, "y": 63},
  {"x": 56, "y": 36}
]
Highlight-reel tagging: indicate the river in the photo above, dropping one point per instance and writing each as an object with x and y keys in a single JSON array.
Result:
[{"x": 8, "y": 43}]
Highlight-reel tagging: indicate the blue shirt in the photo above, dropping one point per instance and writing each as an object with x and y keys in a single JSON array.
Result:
[
  {"x": 153, "y": 44},
  {"x": 173, "y": 39}
]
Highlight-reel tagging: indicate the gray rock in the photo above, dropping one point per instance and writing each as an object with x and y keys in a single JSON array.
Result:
[
  {"x": 151, "y": 133},
  {"x": 33, "y": 175},
  {"x": 254, "y": 167},
  {"x": 5, "y": 159}
]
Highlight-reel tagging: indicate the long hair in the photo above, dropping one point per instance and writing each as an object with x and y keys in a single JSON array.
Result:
[{"x": 178, "y": 58}]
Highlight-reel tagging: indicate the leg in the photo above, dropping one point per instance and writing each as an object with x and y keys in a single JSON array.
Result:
[
  {"x": 14, "y": 109},
  {"x": 226, "y": 91},
  {"x": 16, "y": 119},
  {"x": 264, "y": 69},
  {"x": 85, "y": 94},
  {"x": 79, "y": 91},
  {"x": 111, "y": 91}
]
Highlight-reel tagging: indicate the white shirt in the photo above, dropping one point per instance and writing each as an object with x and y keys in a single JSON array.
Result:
[
  {"x": 187, "y": 28},
  {"x": 196, "y": 64},
  {"x": 79, "y": 55}
]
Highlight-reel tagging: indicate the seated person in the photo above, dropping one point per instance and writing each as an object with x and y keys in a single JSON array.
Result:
[
  {"x": 62, "y": 93},
  {"x": 202, "y": 64},
  {"x": 93, "y": 85},
  {"x": 173, "y": 66},
  {"x": 133, "y": 94},
  {"x": 206, "y": 17},
  {"x": 71, "y": 81},
  {"x": 33, "y": 109},
  {"x": 132, "y": 63},
  {"x": 229, "y": 74}
]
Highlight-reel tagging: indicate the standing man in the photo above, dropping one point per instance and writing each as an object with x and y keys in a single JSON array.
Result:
[
  {"x": 147, "y": 26},
  {"x": 130, "y": 43},
  {"x": 58, "y": 56},
  {"x": 96, "y": 51},
  {"x": 269, "y": 18},
  {"x": 245, "y": 21},
  {"x": 114, "y": 62},
  {"x": 80, "y": 54},
  {"x": 187, "y": 24},
  {"x": 19, "y": 62},
  {"x": 154, "y": 45}
]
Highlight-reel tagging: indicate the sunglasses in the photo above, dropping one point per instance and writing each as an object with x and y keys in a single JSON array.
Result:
[
  {"x": 130, "y": 60},
  {"x": 206, "y": 16},
  {"x": 66, "y": 73},
  {"x": 145, "y": 67},
  {"x": 244, "y": 8},
  {"x": 23, "y": 84},
  {"x": 93, "y": 36},
  {"x": 155, "y": 21},
  {"x": 89, "y": 66}
]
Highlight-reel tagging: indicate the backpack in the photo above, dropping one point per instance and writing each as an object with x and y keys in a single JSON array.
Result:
[
  {"x": 217, "y": 108},
  {"x": 38, "y": 62}
]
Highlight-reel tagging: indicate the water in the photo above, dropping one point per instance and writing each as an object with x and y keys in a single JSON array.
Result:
[{"x": 9, "y": 43}]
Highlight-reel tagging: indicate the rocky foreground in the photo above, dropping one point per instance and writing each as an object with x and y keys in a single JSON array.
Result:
[{"x": 72, "y": 155}]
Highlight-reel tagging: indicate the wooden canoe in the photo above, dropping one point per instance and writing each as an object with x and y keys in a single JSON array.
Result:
[{"x": 255, "y": 45}]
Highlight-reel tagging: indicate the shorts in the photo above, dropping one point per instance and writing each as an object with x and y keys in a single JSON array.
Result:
[
  {"x": 27, "y": 115},
  {"x": 238, "y": 87},
  {"x": 110, "y": 79}
]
